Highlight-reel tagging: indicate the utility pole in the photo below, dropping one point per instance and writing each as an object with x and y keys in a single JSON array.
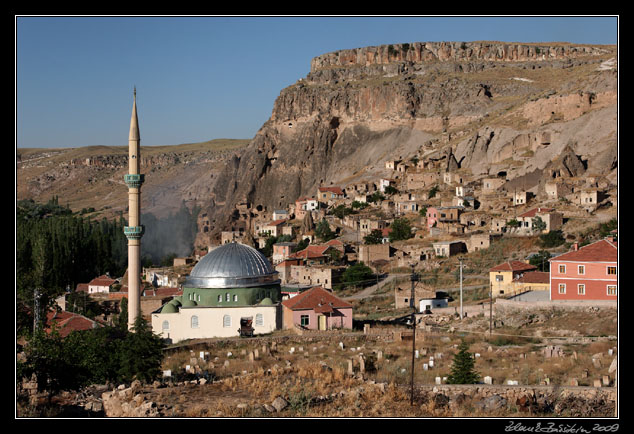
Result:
[
  {"x": 461, "y": 314},
  {"x": 412, "y": 304},
  {"x": 490, "y": 309}
]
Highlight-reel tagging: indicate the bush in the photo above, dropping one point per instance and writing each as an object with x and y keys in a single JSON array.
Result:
[
  {"x": 552, "y": 239},
  {"x": 401, "y": 230}
]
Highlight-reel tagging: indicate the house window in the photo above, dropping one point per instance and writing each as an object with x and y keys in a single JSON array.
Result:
[
  {"x": 259, "y": 320},
  {"x": 194, "y": 322},
  {"x": 611, "y": 289},
  {"x": 226, "y": 321},
  {"x": 304, "y": 320},
  {"x": 562, "y": 288},
  {"x": 166, "y": 325},
  {"x": 562, "y": 269},
  {"x": 499, "y": 278},
  {"x": 582, "y": 269},
  {"x": 581, "y": 289},
  {"x": 612, "y": 270}
]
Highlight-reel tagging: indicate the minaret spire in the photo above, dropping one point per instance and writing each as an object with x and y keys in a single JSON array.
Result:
[{"x": 134, "y": 232}]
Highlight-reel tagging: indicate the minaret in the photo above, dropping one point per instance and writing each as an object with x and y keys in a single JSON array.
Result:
[{"x": 134, "y": 232}]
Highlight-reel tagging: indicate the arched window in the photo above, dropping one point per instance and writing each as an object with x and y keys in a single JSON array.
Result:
[
  {"x": 226, "y": 321},
  {"x": 235, "y": 297},
  {"x": 166, "y": 325},
  {"x": 194, "y": 322},
  {"x": 259, "y": 320},
  {"x": 220, "y": 298},
  {"x": 228, "y": 296}
]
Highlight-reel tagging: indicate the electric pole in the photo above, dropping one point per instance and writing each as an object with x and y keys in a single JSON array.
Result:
[
  {"x": 412, "y": 304},
  {"x": 461, "y": 314}
]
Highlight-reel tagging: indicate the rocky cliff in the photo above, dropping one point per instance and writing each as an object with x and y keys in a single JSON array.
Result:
[{"x": 496, "y": 106}]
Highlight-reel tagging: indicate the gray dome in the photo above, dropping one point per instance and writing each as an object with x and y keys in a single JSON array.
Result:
[{"x": 232, "y": 265}]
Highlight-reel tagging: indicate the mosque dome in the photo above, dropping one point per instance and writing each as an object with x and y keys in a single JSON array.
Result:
[
  {"x": 232, "y": 265},
  {"x": 169, "y": 308},
  {"x": 189, "y": 303}
]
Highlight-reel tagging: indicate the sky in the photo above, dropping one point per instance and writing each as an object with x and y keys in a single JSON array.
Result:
[{"x": 202, "y": 78}]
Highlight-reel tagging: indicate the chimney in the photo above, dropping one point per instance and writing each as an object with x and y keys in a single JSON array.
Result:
[{"x": 575, "y": 247}]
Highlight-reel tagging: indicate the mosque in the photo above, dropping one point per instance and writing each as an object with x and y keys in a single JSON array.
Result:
[{"x": 230, "y": 283}]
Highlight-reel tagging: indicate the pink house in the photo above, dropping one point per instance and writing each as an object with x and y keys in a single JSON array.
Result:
[
  {"x": 317, "y": 309},
  {"x": 586, "y": 273}
]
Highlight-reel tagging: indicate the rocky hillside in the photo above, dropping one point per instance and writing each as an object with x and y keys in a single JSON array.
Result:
[
  {"x": 92, "y": 177},
  {"x": 527, "y": 110}
]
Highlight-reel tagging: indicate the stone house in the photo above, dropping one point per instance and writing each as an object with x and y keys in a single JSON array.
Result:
[
  {"x": 557, "y": 190},
  {"x": 553, "y": 220},
  {"x": 522, "y": 197},
  {"x": 407, "y": 206},
  {"x": 323, "y": 275},
  {"x": 272, "y": 229},
  {"x": 280, "y": 214},
  {"x": 392, "y": 164},
  {"x": 498, "y": 225},
  {"x": 452, "y": 178},
  {"x": 478, "y": 242},
  {"x": 403, "y": 294},
  {"x": 282, "y": 251},
  {"x": 303, "y": 205},
  {"x": 386, "y": 182},
  {"x": 327, "y": 195},
  {"x": 589, "y": 199},
  {"x": 491, "y": 185},
  {"x": 369, "y": 253},
  {"x": 368, "y": 224},
  {"x": 420, "y": 180},
  {"x": 448, "y": 248},
  {"x": 436, "y": 215},
  {"x": 284, "y": 269}
]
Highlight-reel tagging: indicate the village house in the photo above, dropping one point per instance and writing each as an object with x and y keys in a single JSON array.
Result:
[
  {"x": 314, "y": 254},
  {"x": 492, "y": 185},
  {"x": 272, "y": 229},
  {"x": 420, "y": 180},
  {"x": 436, "y": 215},
  {"x": 481, "y": 241},
  {"x": 282, "y": 251},
  {"x": 392, "y": 164},
  {"x": 303, "y": 205},
  {"x": 323, "y": 275},
  {"x": 100, "y": 284},
  {"x": 407, "y": 206},
  {"x": 280, "y": 214},
  {"x": 590, "y": 199},
  {"x": 452, "y": 178},
  {"x": 158, "y": 277},
  {"x": 284, "y": 269},
  {"x": 498, "y": 225},
  {"x": 553, "y": 220},
  {"x": 449, "y": 248},
  {"x": 181, "y": 262},
  {"x": 386, "y": 182},
  {"x": 522, "y": 197},
  {"x": 474, "y": 220},
  {"x": 557, "y": 190},
  {"x": 531, "y": 281},
  {"x": 501, "y": 276},
  {"x": 368, "y": 224},
  {"x": 326, "y": 195},
  {"x": 369, "y": 253},
  {"x": 586, "y": 273},
  {"x": 316, "y": 309},
  {"x": 403, "y": 294},
  {"x": 67, "y": 322}
]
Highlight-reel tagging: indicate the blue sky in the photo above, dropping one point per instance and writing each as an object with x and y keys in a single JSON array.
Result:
[{"x": 202, "y": 78}]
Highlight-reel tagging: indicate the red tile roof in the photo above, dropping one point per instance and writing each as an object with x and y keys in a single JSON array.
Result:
[
  {"x": 599, "y": 251},
  {"x": 276, "y": 222},
  {"x": 82, "y": 287},
  {"x": 316, "y": 298},
  {"x": 102, "y": 281},
  {"x": 335, "y": 190},
  {"x": 67, "y": 322},
  {"x": 534, "y": 211},
  {"x": 310, "y": 252},
  {"x": 514, "y": 266},
  {"x": 534, "y": 277}
]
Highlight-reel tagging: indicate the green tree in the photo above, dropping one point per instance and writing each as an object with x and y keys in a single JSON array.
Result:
[
  {"x": 376, "y": 197},
  {"x": 552, "y": 239},
  {"x": 302, "y": 245},
  {"x": 463, "y": 367},
  {"x": 540, "y": 260},
  {"x": 432, "y": 192},
  {"x": 401, "y": 230},
  {"x": 323, "y": 231},
  {"x": 390, "y": 190},
  {"x": 538, "y": 224},
  {"x": 140, "y": 354},
  {"x": 357, "y": 275},
  {"x": 374, "y": 237}
]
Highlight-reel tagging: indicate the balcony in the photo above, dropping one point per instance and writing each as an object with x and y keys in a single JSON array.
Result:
[{"x": 134, "y": 180}]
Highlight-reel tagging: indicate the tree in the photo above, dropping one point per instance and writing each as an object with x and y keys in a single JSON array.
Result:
[
  {"x": 323, "y": 231},
  {"x": 463, "y": 367},
  {"x": 140, "y": 354},
  {"x": 538, "y": 224},
  {"x": 540, "y": 260},
  {"x": 357, "y": 274},
  {"x": 374, "y": 237},
  {"x": 552, "y": 239},
  {"x": 401, "y": 230},
  {"x": 302, "y": 245},
  {"x": 390, "y": 190}
]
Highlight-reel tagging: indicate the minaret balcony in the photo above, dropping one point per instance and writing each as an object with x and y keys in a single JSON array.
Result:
[
  {"x": 134, "y": 232},
  {"x": 134, "y": 180}
]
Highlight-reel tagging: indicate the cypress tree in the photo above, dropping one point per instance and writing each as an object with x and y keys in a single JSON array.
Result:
[{"x": 463, "y": 367}]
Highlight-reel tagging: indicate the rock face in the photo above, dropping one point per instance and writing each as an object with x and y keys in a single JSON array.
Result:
[{"x": 494, "y": 106}]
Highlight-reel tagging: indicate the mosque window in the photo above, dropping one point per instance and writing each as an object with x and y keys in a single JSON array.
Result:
[
  {"x": 166, "y": 325},
  {"x": 228, "y": 296},
  {"x": 220, "y": 298},
  {"x": 194, "y": 322},
  {"x": 226, "y": 321},
  {"x": 235, "y": 297},
  {"x": 259, "y": 320}
]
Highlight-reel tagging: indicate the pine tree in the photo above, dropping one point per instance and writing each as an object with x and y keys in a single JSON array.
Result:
[{"x": 463, "y": 367}]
